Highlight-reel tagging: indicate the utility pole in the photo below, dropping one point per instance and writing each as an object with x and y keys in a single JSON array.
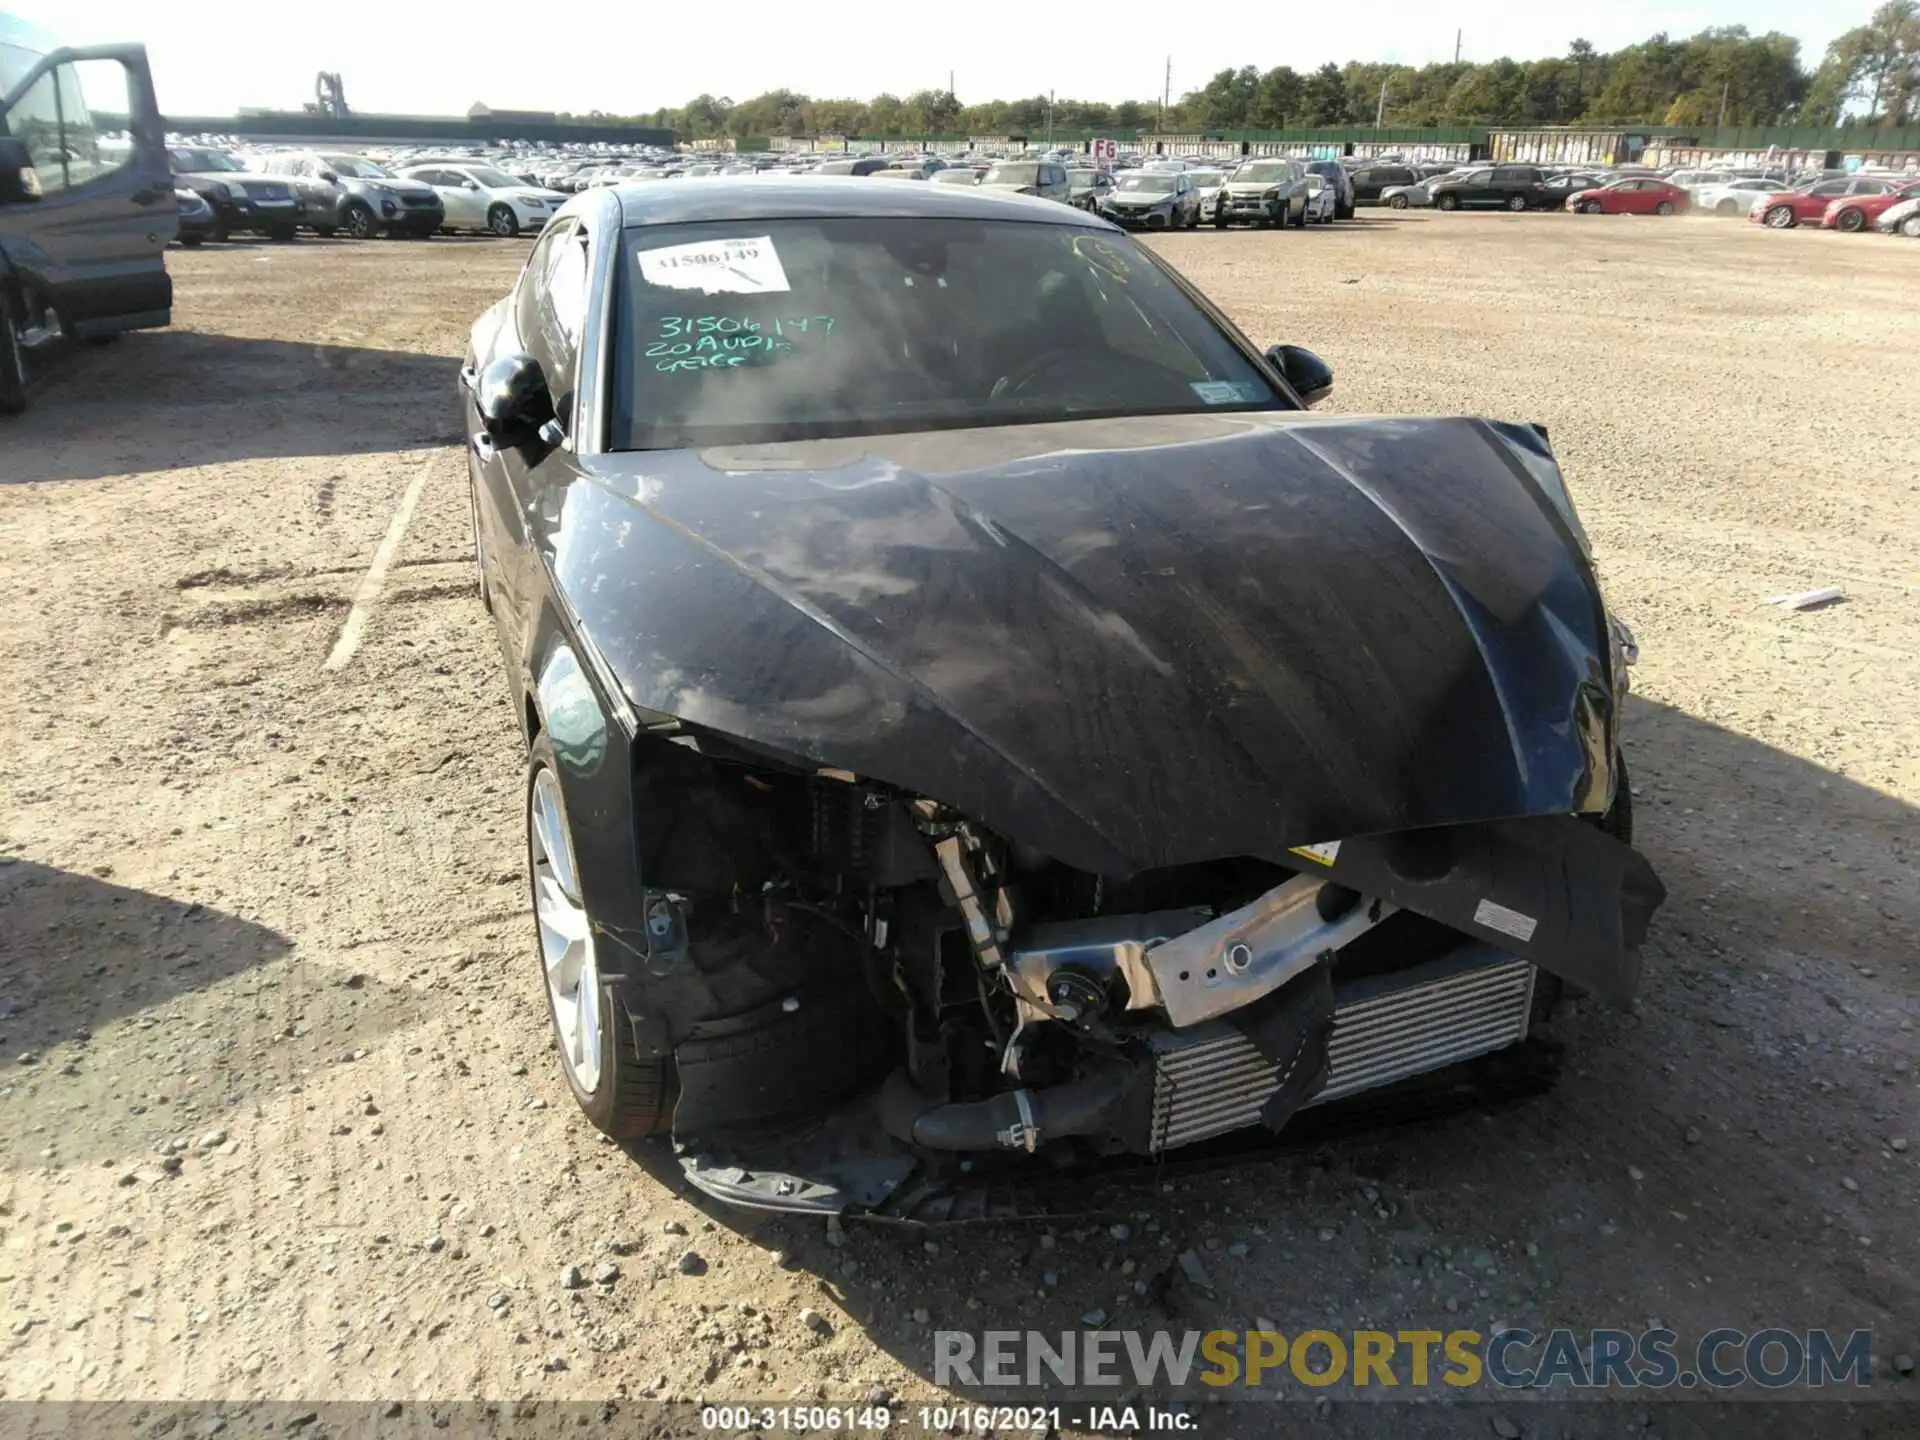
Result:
[
  {"x": 1456, "y": 45},
  {"x": 1380, "y": 114},
  {"x": 1166, "y": 94},
  {"x": 1724, "y": 85},
  {"x": 1049, "y": 119}
]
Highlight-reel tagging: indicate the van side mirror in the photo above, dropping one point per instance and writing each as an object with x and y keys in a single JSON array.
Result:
[
  {"x": 512, "y": 398},
  {"x": 1309, "y": 375},
  {"x": 19, "y": 180}
]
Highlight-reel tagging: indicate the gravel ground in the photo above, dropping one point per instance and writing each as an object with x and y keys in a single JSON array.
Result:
[{"x": 278, "y": 1113}]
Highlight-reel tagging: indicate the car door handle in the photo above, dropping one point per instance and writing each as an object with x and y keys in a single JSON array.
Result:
[{"x": 482, "y": 444}]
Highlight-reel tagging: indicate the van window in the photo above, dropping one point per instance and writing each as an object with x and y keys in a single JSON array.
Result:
[{"x": 53, "y": 120}]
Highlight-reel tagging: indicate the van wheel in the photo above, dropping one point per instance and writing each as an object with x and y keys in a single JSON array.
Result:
[
  {"x": 13, "y": 362},
  {"x": 502, "y": 222}
]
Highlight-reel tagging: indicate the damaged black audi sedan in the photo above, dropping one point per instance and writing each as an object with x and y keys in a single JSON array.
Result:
[{"x": 979, "y": 721}]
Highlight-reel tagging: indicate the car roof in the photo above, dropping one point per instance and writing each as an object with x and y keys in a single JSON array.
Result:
[{"x": 809, "y": 196}]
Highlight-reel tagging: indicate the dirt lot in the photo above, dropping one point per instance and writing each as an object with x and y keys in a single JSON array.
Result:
[{"x": 278, "y": 1114}]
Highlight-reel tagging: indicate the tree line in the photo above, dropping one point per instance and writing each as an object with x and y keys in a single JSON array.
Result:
[{"x": 1870, "y": 75}]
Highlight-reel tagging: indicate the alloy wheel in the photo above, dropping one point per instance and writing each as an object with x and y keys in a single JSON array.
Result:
[
  {"x": 1780, "y": 217},
  {"x": 566, "y": 938}
]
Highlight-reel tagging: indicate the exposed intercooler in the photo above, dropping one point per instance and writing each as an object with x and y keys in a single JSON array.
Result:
[{"x": 1210, "y": 1079}]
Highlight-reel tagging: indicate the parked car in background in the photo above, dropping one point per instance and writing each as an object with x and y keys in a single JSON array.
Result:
[
  {"x": 1805, "y": 204},
  {"x": 1030, "y": 177},
  {"x": 1264, "y": 192},
  {"x": 1491, "y": 187},
  {"x": 84, "y": 226},
  {"x": 479, "y": 197},
  {"x": 1417, "y": 196},
  {"x": 1339, "y": 181},
  {"x": 1152, "y": 200},
  {"x": 861, "y": 165},
  {"x": 241, "y": 201},
  {"x": 352, "y": 193},
  {"x": 1854, "y": 213},
  {"x": 957, "y": 175},
  {"x": 1323, "y": 206},
  {"x": 1630, "y": 197},
  {"x": 1736, "y": 196},
  {"x": 1207, "y": 185},
  {"x": 196, "y": 217},
  {"x": 1902, "y": 217},
  {"x": 1555, "y": 189},
  {"x": 1370, "y": 179},
  {"x": 1085, "y": 187}
]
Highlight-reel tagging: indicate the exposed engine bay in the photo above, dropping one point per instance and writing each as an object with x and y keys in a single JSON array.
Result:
[{"x": 825, "y": 952}]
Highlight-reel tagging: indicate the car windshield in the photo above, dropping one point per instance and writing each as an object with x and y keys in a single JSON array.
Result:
[
  {"x": 1264, "y": 171},
  {"x": 491, "y": 178},
  {"x": 1159, "y": 184},
  {"x": 776, "y": 330},
  {"x": 1207, "y": 179},
  {"x": 1026, "y": 173},
  {"x": 202, "y": 161},
  {"x": 1327, "y": 169},
  {"x": 1081, "y": 177},
  {"x": 352, "y": 165}
]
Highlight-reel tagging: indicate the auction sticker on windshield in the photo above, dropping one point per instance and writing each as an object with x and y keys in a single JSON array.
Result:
[{"x": 746, "y": 266}]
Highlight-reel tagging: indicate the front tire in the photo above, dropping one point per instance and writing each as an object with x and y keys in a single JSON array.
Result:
[
  {"x": 625, "y": 1096},
  {"x": 1851, "y": 221},
  {"x": 360, "y": 223},
  {"x": 501, "y": 221},
  {"x": 1591, "y": 207},
  {"x": 13, "y": 362},
  {"x": 1910, "y": 227},
  {"x": 1780, "y": 217}
]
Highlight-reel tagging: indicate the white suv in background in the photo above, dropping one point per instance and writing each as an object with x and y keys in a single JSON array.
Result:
[{"x": 479, "y": 197}]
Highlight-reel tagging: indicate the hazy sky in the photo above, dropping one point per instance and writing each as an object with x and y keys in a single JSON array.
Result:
[{"x": 212, "y": 56}]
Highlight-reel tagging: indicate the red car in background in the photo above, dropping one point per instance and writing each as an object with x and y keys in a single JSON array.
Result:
[
  {"x": 1853, "y": 213},
  {"x": 1807, "y": 205},
  {"x": 1636, "y": 196}
]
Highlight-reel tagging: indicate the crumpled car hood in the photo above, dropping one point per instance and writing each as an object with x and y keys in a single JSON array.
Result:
[{"x": 1131, "y": 643}]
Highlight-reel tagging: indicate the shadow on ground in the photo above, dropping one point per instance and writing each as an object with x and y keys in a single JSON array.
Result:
[
  {"x": 159, "y": 400},
  {"x": 1684, "y": 1168}
]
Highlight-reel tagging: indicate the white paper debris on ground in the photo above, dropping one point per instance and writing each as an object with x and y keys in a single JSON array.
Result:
[
  {"x": 748, "y": 265},
  {"x": 1808, "y": 599}
]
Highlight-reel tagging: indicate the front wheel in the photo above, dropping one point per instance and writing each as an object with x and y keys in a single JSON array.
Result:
[
  {"x": 1851, "y": 221},
  {"x": 1910, "y": 227},
  {"x": 1516, "y": 203},
  {"x": 624, "y": 1095},
  {"x": 1780, "y": 217},
  {"x": 360, "y": 223},
  {"x": 1590, "y": 207},
  {"x": 1447, "y": 202},
  {"x": 13, "y": 362},
  {"x": 501, "y": 221}
]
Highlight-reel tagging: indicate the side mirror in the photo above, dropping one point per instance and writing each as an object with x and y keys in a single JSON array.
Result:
[
  {"x": 330, "y": 177},
  {"x": 512, "y": 398},
  {"x": 19, "y": 180},
  {"x": 1309, "y": 375},
  {"x": 469, "y": 184}
]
